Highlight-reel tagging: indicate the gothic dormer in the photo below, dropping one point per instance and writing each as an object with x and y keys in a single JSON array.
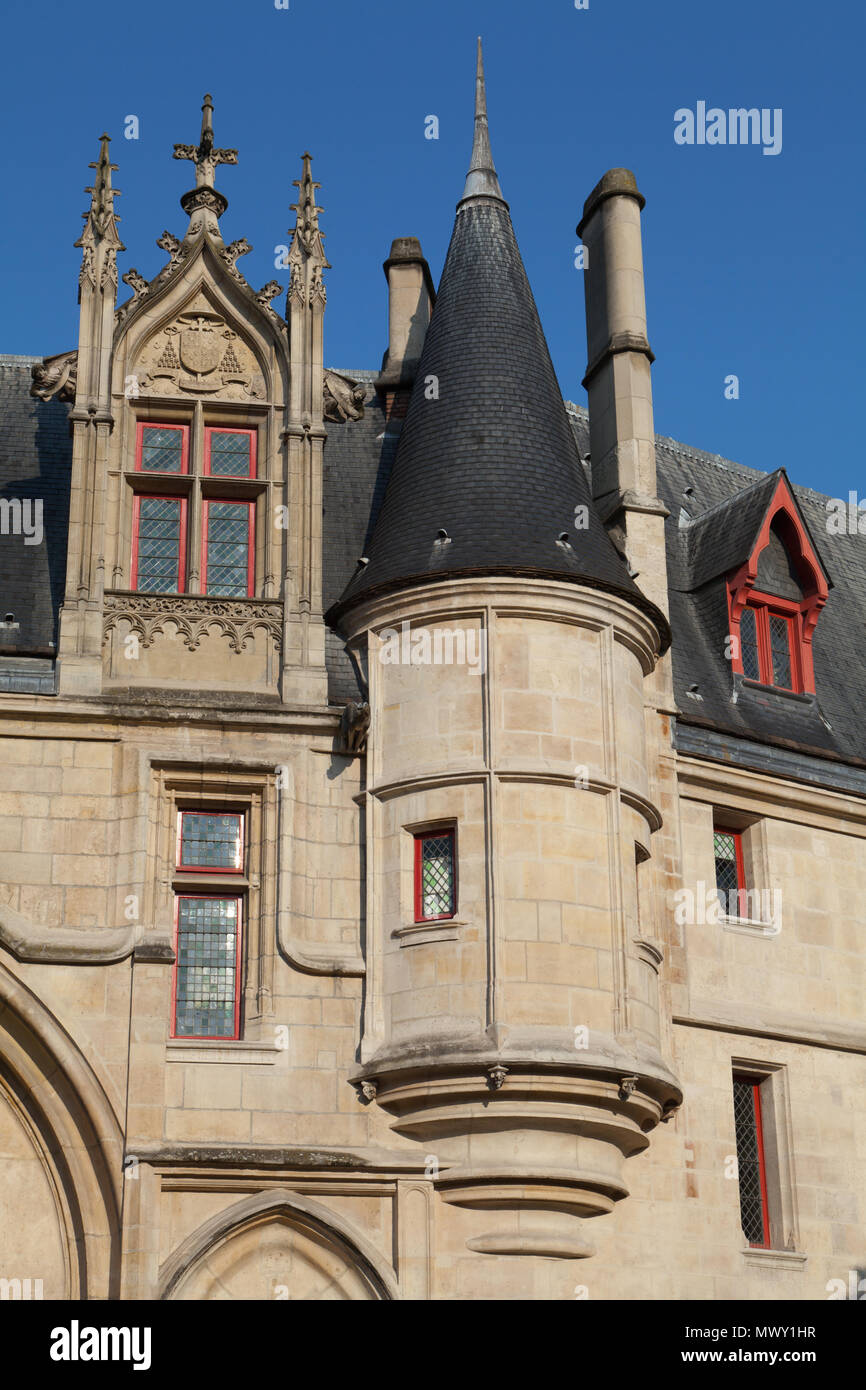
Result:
[{"x": 204, "y": 496}]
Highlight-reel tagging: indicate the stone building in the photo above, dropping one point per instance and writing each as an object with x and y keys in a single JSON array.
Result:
[{"x": 432, "y": 815}]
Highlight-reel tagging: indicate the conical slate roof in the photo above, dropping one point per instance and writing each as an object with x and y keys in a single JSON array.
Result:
[{"x": 486, "y": 477}]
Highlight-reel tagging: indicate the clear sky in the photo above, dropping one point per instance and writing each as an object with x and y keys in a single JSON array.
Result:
[{"x": 754, "y": 262}]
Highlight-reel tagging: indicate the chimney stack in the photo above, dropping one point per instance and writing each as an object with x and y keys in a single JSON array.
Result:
[
  {"x": 411, "y": 296},
  {"x": 622, "y": 438}
]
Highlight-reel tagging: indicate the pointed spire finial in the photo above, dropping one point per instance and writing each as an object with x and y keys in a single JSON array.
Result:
[
  {"x": 482, "y": 180},
  {"x": 100, "y": 240},
  {"x": 306, "y": 229},
  {"x": 205, "y": 157}
]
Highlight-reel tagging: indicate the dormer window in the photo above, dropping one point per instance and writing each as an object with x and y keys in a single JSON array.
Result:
[
  {"x": 769, "y": 644},
  {"x": 774, "y": 600}
]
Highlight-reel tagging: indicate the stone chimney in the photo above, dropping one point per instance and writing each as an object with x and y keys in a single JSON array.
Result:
[
  {"x": 411, "y": 296},
  {"x": 622, "y": 438}
]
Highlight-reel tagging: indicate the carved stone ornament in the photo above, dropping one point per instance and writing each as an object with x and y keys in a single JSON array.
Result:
[
  {"x": 136, "y": 282},
  {"x": 627, "y": 1085},
  {"x": 55, "y": 377},
  {"x": 200, "y": 355},
  {"x": 496, "y": 1076},
  {"x": 268, "y": 292},
  {"x": 194, "y": 615},
  {"x": 342, "y": 398},
  {"x": 230, "y": 254},
  {"x": 354, "y": 726},
  {"x": 366, "y": 1090}
]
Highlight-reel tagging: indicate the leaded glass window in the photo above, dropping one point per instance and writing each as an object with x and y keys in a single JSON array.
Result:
[
  {"x": 211, "y": 841},
  {"x": 750, "y": 1161},
  {"x": 206, "y": 973},
  {"x": 729, "y": 873},
  {"x": 159, "y": 540},
  {"x": 230, "y": 453},
  {"x": 434, "y": 875},
  {"x": 162, "y": 449},
  {"x": 227, "y": 548},
  {"x": 780, "y": 646},
  {"x": 749, "y": 645}
]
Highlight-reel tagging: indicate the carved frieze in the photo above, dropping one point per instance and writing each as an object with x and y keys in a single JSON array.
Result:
[
  {"x": 198, "y": 354},
  {"x": 195, "y": 616}
]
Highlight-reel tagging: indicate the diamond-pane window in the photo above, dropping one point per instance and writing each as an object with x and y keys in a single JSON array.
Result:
[
  {"x": 750, "y": 1161},
  {"x": 230, "y": 453},
  {"x": 780, "y": 645},
  {"x": 212, "y": 842},
  {"x": 227, "y": 545},
  {"x": 162, "y": 449},
  {"x": 434, "y": 875},
  {"x": 749, "y": 645},
  {"x": 158, "y": 544},
  {"x": 730, "y": 877},
  {"x": 207, "y": 968}
]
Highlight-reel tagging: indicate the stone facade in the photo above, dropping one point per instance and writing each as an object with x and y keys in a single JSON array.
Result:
[{"x": 528, "y": 1098}]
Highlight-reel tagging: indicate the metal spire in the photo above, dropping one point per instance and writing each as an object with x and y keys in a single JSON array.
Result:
[{"x": 482, "y": 180}]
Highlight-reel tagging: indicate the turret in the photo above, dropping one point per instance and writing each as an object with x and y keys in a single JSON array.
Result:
[{"x": 511, "y": 1019}]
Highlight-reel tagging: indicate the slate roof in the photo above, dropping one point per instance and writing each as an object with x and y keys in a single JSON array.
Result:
[
  {"x": 35, "y": 459},
  {"x": 35, "y": 463},
  {"x": 489, "y": 460}
]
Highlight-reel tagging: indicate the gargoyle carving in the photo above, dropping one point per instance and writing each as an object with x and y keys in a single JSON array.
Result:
[
  {"x": 354, "y": 726},
  {"x": 55, "y": 376},
  {"x": 342, "y": 398}
]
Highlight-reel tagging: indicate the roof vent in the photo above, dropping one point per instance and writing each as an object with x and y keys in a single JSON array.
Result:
[
  {"x": 688, "y": 491},
  {"x": 363, "y": 560},
  {"x": 693, "y": 692},
  {"x": 442, "y": 537}
]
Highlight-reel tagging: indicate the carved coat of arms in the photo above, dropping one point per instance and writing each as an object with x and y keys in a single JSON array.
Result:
[{"x": 201, "y": 347}]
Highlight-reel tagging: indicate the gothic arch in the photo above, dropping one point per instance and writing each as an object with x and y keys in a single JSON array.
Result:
[
  {"x": 325, "y": 1248},
  {"x": 55, "y": 1102}
]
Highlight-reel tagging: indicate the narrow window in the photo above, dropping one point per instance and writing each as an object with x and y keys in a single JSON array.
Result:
[
  {"x": 228, "y": 553},
  {"x": 230, "y": 453},
  {"x": 751, "y": 1163},
  {"x": 158, "y": 544},
  {"x": 211, "y": 843},
  {"x": 730, "y": 871},
  {"x": 207, "y": 969},
  {"x": 780, "y": 649},
  {"x": 162, "y": 448},
  {"x": 434, "y": 875},
  {"x": 749, "y": 645}
]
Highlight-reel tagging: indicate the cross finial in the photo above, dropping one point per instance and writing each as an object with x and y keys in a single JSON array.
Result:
[{"x": 205, "y": 156}]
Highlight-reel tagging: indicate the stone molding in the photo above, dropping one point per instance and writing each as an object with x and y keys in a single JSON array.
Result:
[
  {"x": 32, "y": 942},
  {"x": 194, "y": 614},
  {"x": 309, "y": 1216}
]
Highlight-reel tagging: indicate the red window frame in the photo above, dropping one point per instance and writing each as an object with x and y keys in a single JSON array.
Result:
[
  {"x": 737, "y": 837},
  {"x": 755, "y": 1083},
  {"x": 765, "y": 606},
  {"x": 447, "y": 832},
  {"x": 208, "y": 868},
  {"x": 230, "y": 429},
  {"x": 251, "y": 541},
  {"x": 143, "y": 425},
  {"x": 209, "y": 1037},
  {"x": 181, "y": 566}
]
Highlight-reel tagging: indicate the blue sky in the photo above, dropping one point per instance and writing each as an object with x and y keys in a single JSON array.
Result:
[{"x": 754, "y": 263}]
